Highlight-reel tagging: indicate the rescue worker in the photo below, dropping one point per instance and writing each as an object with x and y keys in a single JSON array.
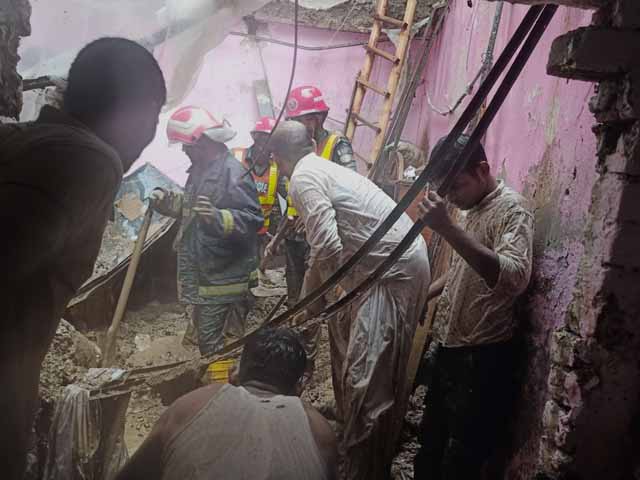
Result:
[
  {"x": 371, "y": 342},
  {"x": 59, "y": 176},
  {"x": 219, "y": 219},
  {"x": 472, "y": 352},
  {"x": 306, "y": 105},
  {"x": 257, "y": 159},
  {"x": 256, "y": 429}
]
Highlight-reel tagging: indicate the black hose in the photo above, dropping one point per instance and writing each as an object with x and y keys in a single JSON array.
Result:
[{"x": 421, "y": 181}]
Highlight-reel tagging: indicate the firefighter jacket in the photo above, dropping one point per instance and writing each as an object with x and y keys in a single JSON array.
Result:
[
  {"x": 217, "y": 260},
  {"x": 268, "y": 185},
  {"x": 335, "y": 147}
]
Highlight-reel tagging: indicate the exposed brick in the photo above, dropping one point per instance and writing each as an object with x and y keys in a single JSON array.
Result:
[
  {"x": 564, "y": 387},
  {"x": 603, "y": 103},
  {"x": 594, "y": 53},
  {"x": 551, "y": 459},
  {"x": 631, "y": 139},
  {"x": 564, "y": 348},
  {"x": 626, "y": 14},
  {"x": 628, "y": 104}
]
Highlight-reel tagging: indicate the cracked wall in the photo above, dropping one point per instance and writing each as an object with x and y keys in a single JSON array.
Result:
[
  {"x": 591, "y": 415},
  {"x": 14, "y": 24}
]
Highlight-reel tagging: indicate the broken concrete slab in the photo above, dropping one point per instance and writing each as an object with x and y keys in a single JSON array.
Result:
[{"x": 594, "y": 54}]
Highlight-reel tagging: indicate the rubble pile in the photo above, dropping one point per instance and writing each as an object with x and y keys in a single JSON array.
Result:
[{"x": 70, "y": 356}]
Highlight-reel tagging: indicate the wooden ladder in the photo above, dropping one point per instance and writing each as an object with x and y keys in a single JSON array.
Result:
[{"x": 363, "y": 82}]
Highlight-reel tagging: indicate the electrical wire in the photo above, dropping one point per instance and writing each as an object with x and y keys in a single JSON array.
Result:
[{"x": 294, "y": 61}]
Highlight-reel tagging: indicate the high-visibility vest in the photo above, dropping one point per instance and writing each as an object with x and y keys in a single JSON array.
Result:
[
  {"x": 325, "y": 152},
  {"x": 266, "y": 184}
]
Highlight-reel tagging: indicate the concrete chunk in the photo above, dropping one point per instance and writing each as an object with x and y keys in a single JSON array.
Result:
[{"x": 594, "y": 54}]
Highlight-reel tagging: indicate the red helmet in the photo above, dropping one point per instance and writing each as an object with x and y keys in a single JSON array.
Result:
[
  {"x": 264, "y": 125},
  {"x": 304, "y": 100},
  {"x": 188, "y": 124}
]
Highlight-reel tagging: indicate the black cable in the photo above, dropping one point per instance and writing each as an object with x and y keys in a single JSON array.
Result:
[
  {"x": 521, "y": 35},
  {"x": 473, "y": 106},
  {"x": 264, "y": 148}
]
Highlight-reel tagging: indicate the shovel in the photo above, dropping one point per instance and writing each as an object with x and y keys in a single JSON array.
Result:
[{"x": 109, "y": 350}]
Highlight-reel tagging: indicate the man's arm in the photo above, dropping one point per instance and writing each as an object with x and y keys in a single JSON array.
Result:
[
  {"x": 507, "y": 265},
  {"x": 238, "y": 215},
  {"x": 319, "y": 217},
  {"x": 325, "y": 440},
  {"x": 436, "y": 287},
  {"x": 147, "y": 462},
  {"x": 483, "y": 260}
]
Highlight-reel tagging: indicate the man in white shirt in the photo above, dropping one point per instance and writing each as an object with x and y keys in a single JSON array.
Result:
[{"x": 371, "y": 341}]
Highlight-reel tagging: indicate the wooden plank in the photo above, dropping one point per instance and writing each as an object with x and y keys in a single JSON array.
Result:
[
  {"x": 373, "y": 87},
  {"x": 391, "y": 21},
  {"x": 381, "y": 53},
  {"x": 365, "y": 122}
]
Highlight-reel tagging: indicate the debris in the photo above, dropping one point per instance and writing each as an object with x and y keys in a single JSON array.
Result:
[{"x": 69, "y": 357}]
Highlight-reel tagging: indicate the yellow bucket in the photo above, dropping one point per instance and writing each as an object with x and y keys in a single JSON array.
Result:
[{"x": 219, "y": 371}]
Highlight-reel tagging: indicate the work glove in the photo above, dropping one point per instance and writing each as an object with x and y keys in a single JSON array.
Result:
[
  {"x": 156, "y": 198},
  {"x": 204, "y": 209}
]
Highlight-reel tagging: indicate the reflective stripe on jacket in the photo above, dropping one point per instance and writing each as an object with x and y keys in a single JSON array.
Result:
[{"x": 266, "y": 186}]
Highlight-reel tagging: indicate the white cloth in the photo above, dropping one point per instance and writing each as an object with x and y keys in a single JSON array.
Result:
[
  {"x": 372, "y": 339},
  {"x": 242, "y": 436}
]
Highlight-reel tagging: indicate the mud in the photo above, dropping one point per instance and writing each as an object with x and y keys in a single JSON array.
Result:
[
  {"x": 71, "y": 354},
  {"x": 153, "y": 336},
  {"x": 358, "y": 14}
]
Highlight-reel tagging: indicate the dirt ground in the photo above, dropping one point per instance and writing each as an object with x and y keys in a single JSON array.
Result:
[{"x": 153, "y": 336}]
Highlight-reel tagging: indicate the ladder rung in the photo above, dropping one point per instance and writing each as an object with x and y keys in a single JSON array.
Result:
[
  {"x": 391, "y": 21},
  {"x": 383, "y": 54},
  {"x": 366, "y": 122},
  {"x": 370, "y": 86}
]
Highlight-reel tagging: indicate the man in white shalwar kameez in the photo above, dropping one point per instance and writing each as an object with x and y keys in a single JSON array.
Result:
[{"x": 372, "y": 339}]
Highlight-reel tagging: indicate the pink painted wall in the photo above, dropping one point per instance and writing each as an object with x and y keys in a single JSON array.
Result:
[{"x": 542, "y": 145}]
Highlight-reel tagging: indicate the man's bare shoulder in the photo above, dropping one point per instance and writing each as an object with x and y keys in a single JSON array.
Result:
[
  {"x": 180, "y": 413},
  {"x": 323, "y": 434}
]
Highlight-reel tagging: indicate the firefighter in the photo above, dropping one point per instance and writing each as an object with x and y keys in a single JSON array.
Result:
[
  {"x": 220, "y": 217},
  {"x": 257, "y": 160},
  {"x": 307, "y": 106}
]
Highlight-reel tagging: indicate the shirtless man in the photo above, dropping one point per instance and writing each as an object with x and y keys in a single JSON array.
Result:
[{"x": 256, "y": 429}]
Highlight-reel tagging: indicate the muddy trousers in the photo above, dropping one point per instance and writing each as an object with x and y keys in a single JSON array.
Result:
[
  {"x": 220, "y": 323},
  {"x": 467, "y": 405},
  {"x": 370, "y": 344}
]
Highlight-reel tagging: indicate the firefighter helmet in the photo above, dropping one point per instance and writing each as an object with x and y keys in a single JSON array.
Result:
[
  {"x": 305, "y": 100},
  {"x": 188, "y": 124},
  {"x": 264, "y": 125}
]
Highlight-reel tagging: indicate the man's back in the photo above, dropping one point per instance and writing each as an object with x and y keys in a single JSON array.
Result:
[
  {"x": 241, "y": 435},
  {"x": 329, "y": 194},
  {"x": 57, "y": 184}
]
